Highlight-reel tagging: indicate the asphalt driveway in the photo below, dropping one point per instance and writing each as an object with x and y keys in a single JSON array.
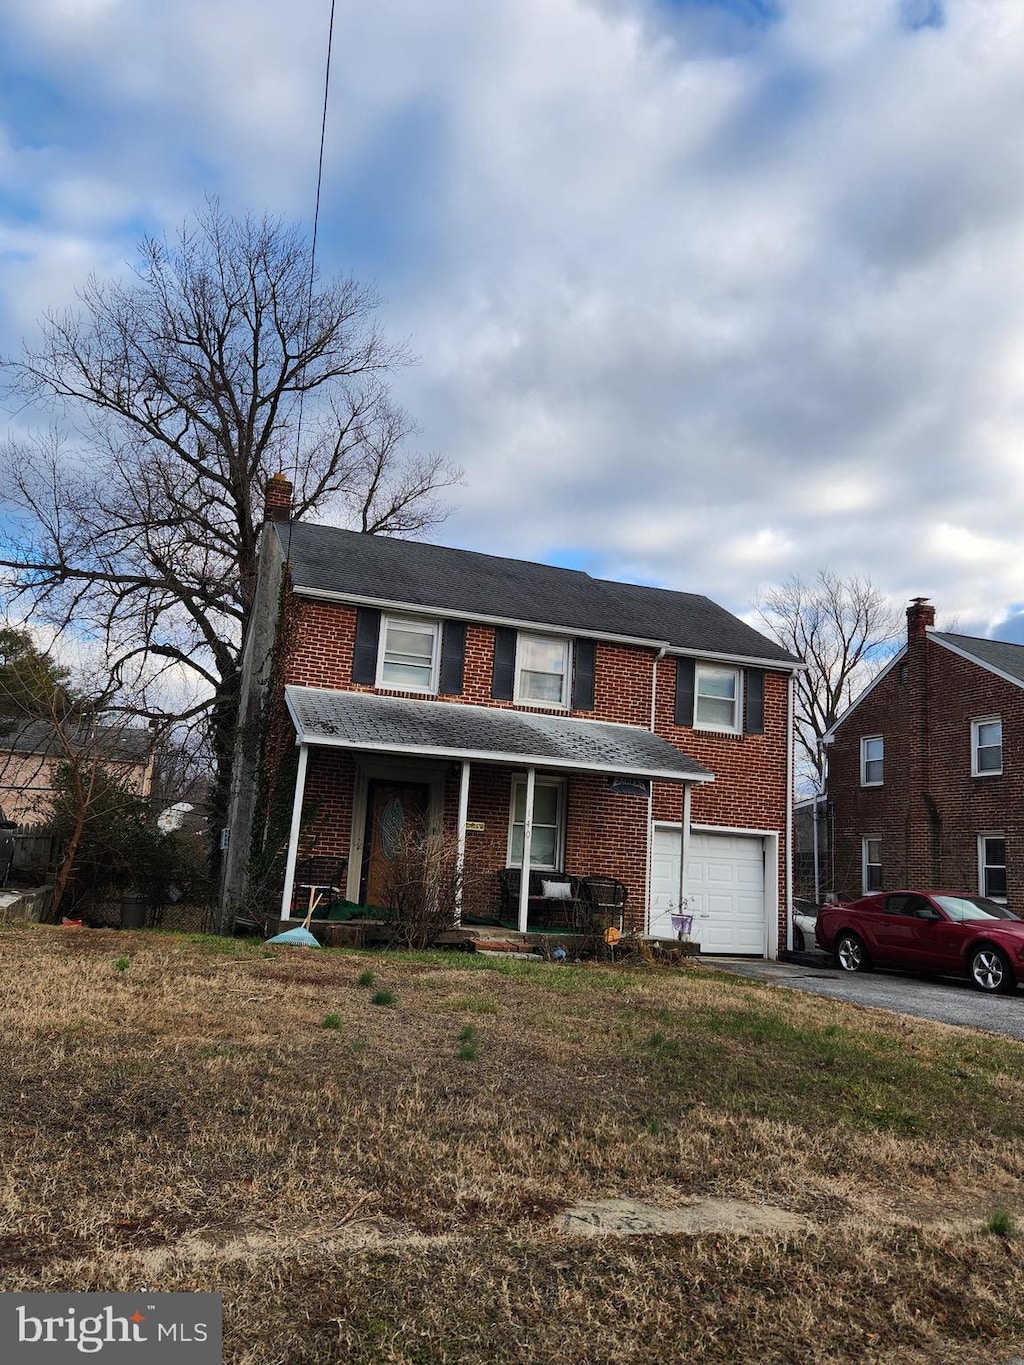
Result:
[{"x": 944, "y": 1000}]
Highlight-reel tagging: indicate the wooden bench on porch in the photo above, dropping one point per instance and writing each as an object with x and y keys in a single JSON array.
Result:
[{"x": 584, "y": 905}]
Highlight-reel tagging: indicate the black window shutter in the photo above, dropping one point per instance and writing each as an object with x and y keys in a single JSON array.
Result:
[
  {"x": 685, "y": 671},
  {"x": 453, "y": 655},
  {"x": 753, "y": 701},
  {"x": 503, "y": 677},
  {"x": 364, "y": 655},
  {"x": 583, "y": 675}
]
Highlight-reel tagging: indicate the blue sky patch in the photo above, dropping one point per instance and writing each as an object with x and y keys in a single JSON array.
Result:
[{"x": 923, "y": 13}]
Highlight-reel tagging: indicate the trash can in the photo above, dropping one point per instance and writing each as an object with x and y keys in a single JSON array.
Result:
[{"x": 133, "y": 910}]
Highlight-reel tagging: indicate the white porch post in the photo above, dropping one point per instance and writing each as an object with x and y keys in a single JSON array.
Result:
[
  {"x": 684, "y": 845},
  {"x": 524, "y": 874},
  {"x": 463, "y": 816},
  {"x": 293, "y": 836}
]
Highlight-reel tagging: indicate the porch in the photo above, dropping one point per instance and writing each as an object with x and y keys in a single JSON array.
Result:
[{"x": 565, "y": 800}]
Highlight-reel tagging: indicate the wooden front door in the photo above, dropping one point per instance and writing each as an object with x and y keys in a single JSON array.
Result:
[{"x": 391, "y": 808}]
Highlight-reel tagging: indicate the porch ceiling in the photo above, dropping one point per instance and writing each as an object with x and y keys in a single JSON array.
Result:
[{"x": 453, "y": 730}]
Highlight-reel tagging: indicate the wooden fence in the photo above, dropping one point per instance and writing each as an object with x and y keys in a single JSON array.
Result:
[{"x": 35, "y": 850}]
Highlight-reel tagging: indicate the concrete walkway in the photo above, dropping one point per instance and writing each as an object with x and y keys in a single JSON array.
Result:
[{"x": 944, "y": 1000}]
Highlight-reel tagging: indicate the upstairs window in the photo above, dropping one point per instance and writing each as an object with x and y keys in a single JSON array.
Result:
[
  {"x": 871, "y": 863},
  {"x": 992, "y": 866},
  {"x": 872, "y": 761},
  {"x": 717, "y": 699},
  {"x": 542, "y": 671},
  {"x": 408, "y": 654},
  {"x": 987, "y": 747}
]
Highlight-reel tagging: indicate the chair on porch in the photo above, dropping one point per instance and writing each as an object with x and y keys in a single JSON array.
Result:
[
  {"x": 543, "y": 909},
  {"x": 319, "y": 880},
  {"x": 601, "y": 904}
]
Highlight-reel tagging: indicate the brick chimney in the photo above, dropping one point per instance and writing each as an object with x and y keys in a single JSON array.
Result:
[
  {"x": 279, "y": 498},
  {"x": 920, "y": 615}
]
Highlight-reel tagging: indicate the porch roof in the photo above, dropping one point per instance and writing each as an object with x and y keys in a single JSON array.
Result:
[{"x": 453, "y": 730}]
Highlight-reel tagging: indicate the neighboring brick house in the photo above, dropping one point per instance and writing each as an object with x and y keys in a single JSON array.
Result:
[
  {"x": 925, "y": 772},
  {"x": 653, "y": 728}
]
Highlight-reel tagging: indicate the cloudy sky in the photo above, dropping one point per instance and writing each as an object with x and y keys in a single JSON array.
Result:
[{"x": 705, "y": 292}]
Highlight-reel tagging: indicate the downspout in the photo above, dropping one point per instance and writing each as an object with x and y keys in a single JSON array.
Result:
[{"x": 649, "y": 873}]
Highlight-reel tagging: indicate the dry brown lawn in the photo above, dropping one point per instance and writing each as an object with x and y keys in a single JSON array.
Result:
[{"x": 177, "y": 1115}]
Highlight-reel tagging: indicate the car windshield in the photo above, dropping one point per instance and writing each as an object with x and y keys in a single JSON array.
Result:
[{"x": 973, "y": 907}]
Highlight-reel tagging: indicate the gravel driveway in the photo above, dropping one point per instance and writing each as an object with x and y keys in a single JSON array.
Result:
[{"x": 942, "y": 999}]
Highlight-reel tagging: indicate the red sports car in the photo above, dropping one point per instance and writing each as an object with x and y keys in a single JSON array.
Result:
[{"x": 948, "y": 932}]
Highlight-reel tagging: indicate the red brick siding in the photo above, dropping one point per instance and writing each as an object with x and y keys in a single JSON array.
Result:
[
  {"x": 929, "y": 809},
  {"x": 749, "y": 790},
  {"x": 322, "y": 657}
]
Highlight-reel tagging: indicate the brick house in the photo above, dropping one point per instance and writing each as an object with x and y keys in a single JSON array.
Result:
[
  {"x": 925, "y": 783},
  {"x": 647, "y": 733}
]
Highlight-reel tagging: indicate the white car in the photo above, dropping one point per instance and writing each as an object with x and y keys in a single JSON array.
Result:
[{"x": 804, "y": 915}]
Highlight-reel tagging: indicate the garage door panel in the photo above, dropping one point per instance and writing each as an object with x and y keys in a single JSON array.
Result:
[{"x": 725, "y": 887}]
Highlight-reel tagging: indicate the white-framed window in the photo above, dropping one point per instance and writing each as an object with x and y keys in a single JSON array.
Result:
[
  {"x": 871, "y": 863},
  {"x": 992, "y": 866},
  {"x": 548, "y": 841},
  {"x": 986, "y": 747},
  {"x": 717, "y": 698},
  {"x": 542, "y": 670},
  {"x": 407, "y": 658},
  {"x": 872, "y": 761}
]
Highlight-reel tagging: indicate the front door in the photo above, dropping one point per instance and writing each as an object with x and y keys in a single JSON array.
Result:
[{"x": 392, "y": 808}]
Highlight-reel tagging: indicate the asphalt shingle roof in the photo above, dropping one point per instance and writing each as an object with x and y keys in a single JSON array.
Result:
[
  {"x": 453, "y": 730},
  {"x": 113, "y": 744},
  {"x": 994, "y": 653},
  {"x": 386, "y": 569}
]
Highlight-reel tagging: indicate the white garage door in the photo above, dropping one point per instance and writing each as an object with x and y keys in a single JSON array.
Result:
[{"x": 724, "y": 884}]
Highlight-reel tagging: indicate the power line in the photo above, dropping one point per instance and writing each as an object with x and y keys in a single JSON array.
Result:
[{"x": 312, "y": 251}]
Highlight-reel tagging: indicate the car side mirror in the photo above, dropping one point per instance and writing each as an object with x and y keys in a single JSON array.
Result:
[{"x": 930, "y": 914}]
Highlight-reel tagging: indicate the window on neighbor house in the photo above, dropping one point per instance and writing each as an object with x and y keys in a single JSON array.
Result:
[
  {"x": 548, "y": 824},
  {"x": 992, "y": 866},
  {"x": 871, "y": 862},
  {"x": 872, "y": 761},
  {"x": 987, "y": 747},
  {"x": 542, "y": 670},
  {"x": 408, "y": 654},
  {"x": 717, "y": 699}
]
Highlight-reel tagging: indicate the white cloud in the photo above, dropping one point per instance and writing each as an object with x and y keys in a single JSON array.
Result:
[{"x": 707, "y": 311}]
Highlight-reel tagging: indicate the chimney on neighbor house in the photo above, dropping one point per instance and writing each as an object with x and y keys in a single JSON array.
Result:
[
  {"x": 920, "y": 615},
  {"x": 279, "y": 498}
]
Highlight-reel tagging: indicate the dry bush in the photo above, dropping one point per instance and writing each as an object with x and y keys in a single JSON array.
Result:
[{"x": 423, "y": 886}]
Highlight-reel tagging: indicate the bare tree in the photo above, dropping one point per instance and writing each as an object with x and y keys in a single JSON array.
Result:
[
  {"x": 845, "y": 630},
  {"x": 223, "y": 360}
]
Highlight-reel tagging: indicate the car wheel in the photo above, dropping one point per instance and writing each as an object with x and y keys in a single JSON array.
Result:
[
  {"x": 851, "y": 954},
  {"x": 990, "y": 970},
  {"x": 799, "y": 946}
]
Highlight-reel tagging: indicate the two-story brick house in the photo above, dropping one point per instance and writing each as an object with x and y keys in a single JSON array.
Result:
[
  {"x": 925, "y": 778},
  {"x": 546, "y": 718}
]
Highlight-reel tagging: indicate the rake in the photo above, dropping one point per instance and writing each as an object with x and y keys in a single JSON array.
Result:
[{"x": 300, "y": 937}]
